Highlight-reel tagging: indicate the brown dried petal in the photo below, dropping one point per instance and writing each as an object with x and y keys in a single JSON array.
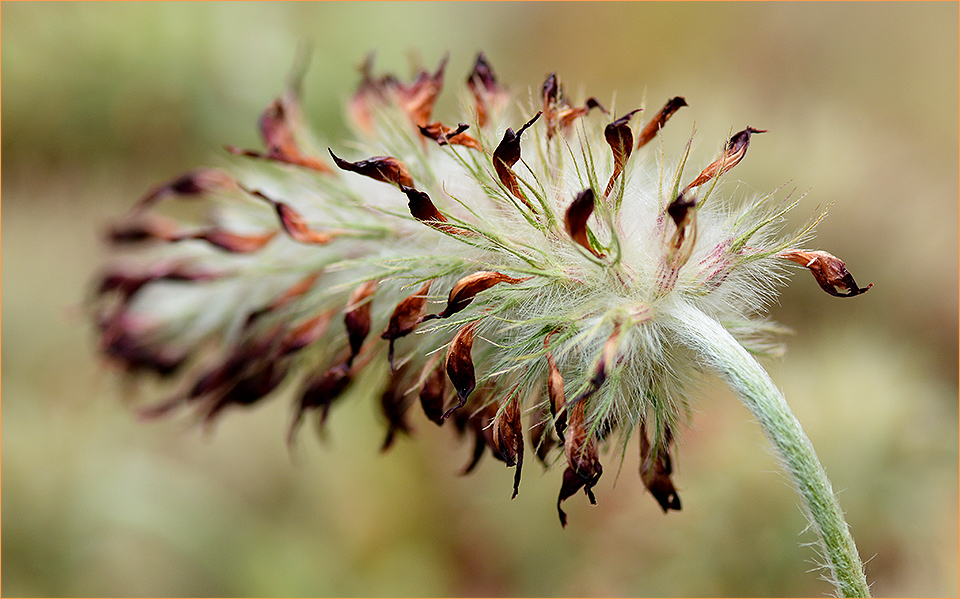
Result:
[
  {"x": 380, "y": 168},
  {"x": 459, "y": 364},
  {"x": 406, "y": 316},
  {"x": 305, "y": 333},
  {"x": 127, "y": 284},
  {"x": 655, "y": 472},
  {"x": 541, "y": 437},
  {"x": 232, "y": 242},
  {"x": 248, "y": 390},
  {"x": 467, "y": 288},
  {"x": 731, "y": 156},
  {"x": 576, "y": 218},
  {"x": 607, "y": 357},
  {"x": 620, "y": 138},
  {"x": 295, "y": 225},
  {"x": 506, "y": 155},
  {"x": 447, "y": 135},
  {"x": 148, "y": 227},
  {"x": 558, "y": 400},
  {"x": 567, "y": 116},
  {"x": 190, "y": 184},
  {"x": 418, "y": 98},
  {"x": 659, "y": 120},
  {"x": 319, "y": 394},
  {"x": 583, "y": 462},
  {"x": 433, "y": 390},
  {"x": 292, "y": 293},
  {"x": 683, "y": 212},
  {"x": 423, "y": 209},
  {"x": 508, "y": 438},
  {"x": 394, "y": 404},
  {"x": 831, "y": 273},
  {"x": 483, "y": 84},
  {"x": 357, "y": 317}
]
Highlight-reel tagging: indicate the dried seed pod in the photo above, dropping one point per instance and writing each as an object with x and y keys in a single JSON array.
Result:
[
  {"x": 583, "y": 462},
  {"x": 575, "y": 220},
  {"x": 831, "y": 273},
  {"x": 357, "y": 317},
  {"x": 506, "y": 155},
  {"x": 467, "y": 288},
  {"x": 659, "y": 120},
  {"x": 508, "y": 438},
  {"x": 433, "y": 390},
  {"x": 655, "y": 470},
  {"x": 620, "y": 138},
  {"x": 459, "y": 365},
  {"x": 446, "y": 135},
  {"x": 731, "y": 156},
  {"x": 405, "y": 318},
  {"x": 380, "y": 168}
]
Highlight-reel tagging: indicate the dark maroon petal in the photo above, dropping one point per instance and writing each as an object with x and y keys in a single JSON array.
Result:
[
  {"x": 459, "y": 364},
  {"x": 357, "y": 317},
  {"x": 189, "y": 185},
  {"x": 380, "y": 168},
  {"x": 575, "y": 219},
  {"x": 433, "y": 391},
  {"x": 583, "y": 463},
  {"x": 506, "y": 155},
  {"x": 319, "y": 394},
  {"x": 508, "y": 438},
  {"x": 558, "y": 401},
  {"x": 394, "y": 404},
  {"x": 294, "y": 224},
  {"x": 831, "y": 273},
  {"x": 655, "y": 470},
  {"x": 405, "y": 318},
  {"x": 620, "y": 138},
  {"x": 446, "y": 135},
  {"x": 467, "y": 288}
]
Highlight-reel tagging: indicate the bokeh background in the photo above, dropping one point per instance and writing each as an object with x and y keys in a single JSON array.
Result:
[{"x": 103, "y": 100}]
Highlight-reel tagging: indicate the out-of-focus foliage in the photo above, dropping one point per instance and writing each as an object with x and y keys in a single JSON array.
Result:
[{"x": 103, "y": 100}]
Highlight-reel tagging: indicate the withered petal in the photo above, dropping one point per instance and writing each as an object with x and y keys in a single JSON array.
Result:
[
  {"x": 305, "y": 333},
  {"x": 189, "y": 185},
  {"x": 233, "y": 242},
  {"x": 433, "y": 391},
  {"x": 659, "y": 120},
  {"x": 357, "y": 317},
  {"x": 467, "y": 288},
  {"x": 508, "y": 438},
  {"x": 558, "y": 401},
  {"x": 575, "y": 219},
  {"x": 319, "y": 393},
  {"x": 731, "y": 156},
  {"x": 459, "y": 365},
  {"x": 405, "y": 317},
  {"x": 506, "y": 155},
  {"x": 831, "y": 273},
  {"x": 620, "y": 139},
  {"x": 655, "y": 472},
  {"x": 380, "y": 168},
  {"x": 394, "y": 404},
  {"x": 294, "y": 224},
  {"x": 445, "y": 135}
]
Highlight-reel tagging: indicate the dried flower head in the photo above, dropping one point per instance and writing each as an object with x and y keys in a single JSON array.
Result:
[{"x": 542, "y": 258}]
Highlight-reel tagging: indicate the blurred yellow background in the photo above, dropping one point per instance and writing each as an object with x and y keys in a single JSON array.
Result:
[{"x": 103, "y": 100}]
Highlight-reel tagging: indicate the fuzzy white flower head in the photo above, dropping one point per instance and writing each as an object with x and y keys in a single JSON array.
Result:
[{"x": 535, "y": 263}]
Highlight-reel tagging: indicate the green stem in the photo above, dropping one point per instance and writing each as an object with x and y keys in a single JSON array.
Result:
[{"x": 750, "y": 381}]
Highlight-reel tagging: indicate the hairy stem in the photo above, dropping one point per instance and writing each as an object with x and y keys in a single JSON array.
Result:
[{"x": 752, "y": 383}]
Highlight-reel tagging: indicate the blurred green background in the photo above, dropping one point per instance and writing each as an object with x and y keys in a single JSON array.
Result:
[{"x": 104, "y": 100}]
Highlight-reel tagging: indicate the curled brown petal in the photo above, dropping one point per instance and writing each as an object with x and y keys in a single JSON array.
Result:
[
  {"x": 418, "y": 98},
  {"x": 127, "y": 284},
  {"x": 277, "y": 124},
  {"x": 583, "y": 462},
  {"x": 191, "y": 184},
  {"x": 506, "y": 155},
  {"x": 394, "y": 404},
  {"x": 423, "y": 209},
  {"x": 831, "y": 273},
  {"x": 483, "y": 84},
  {"x": 447, "y": 135},
  {"x": 294, "y": 224},
  {"x": 459, "y": 365},
  {"x": 683, "y": 212},
  {"x": 433, "y": 390},
  {"x": 567, "y": 116},
  {"x": 405, "y": 318},
  {"x": 148, "y": 227},
  {"x": 731, "y": 156},
  {"x": 319, "y": 393},
  {"x": 555, "y": 391},
  {"x": 248, "y": 390},
  {"x": 467, "y": 288},
  {"x": 655, "y": 470},
  {"x": 508, "y": 438},
  {"x": 357, "y": 317},
  {"x": 232, "y": 242},
  {"x": 659, "y": 120},
  {"x": 305, "y": 333},
  {"x": 575, "y": 220},
  {"x": 380, "y": 168},
  {"x": 620, "y": 139}
]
